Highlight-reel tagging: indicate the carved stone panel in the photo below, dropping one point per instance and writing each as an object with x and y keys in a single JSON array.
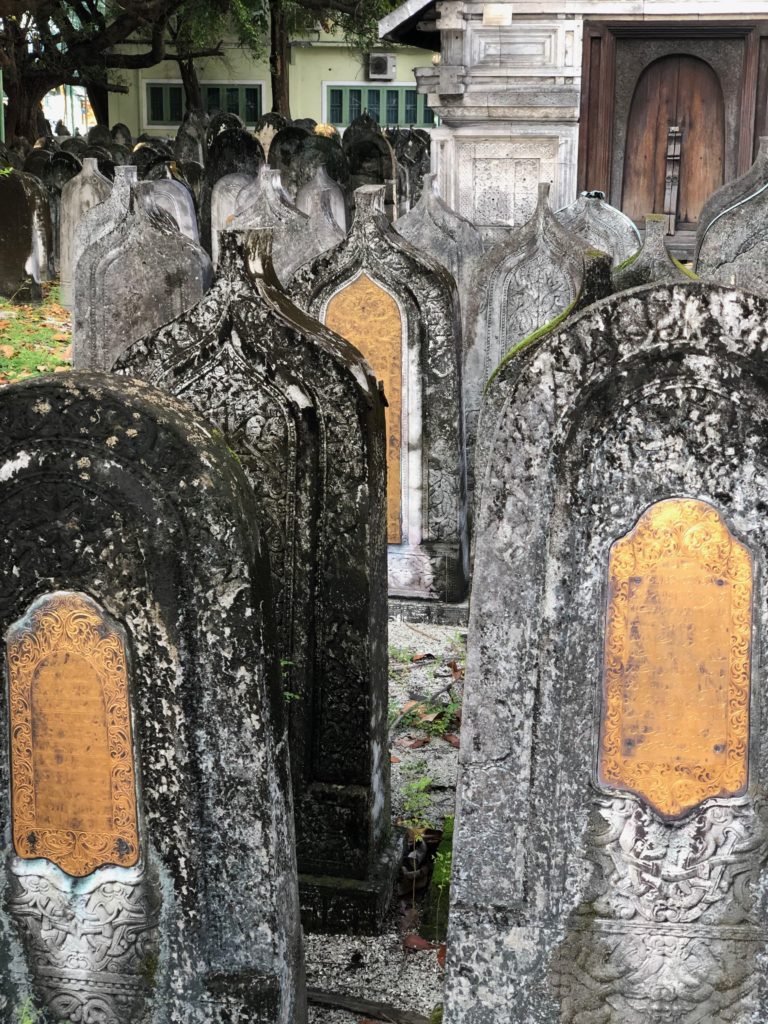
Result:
[
  {"x": 499, "y": 180},
  {"x": 367, "y": 315},
  {"x": 675, "y": 718},
  {"x": 73, "y": 785}
]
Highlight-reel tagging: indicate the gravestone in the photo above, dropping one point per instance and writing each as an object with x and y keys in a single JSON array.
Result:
[
  {"x": 734, "y": 192},
  {"x": 601, "y": 225},
  {"x": 370, "y": 159},
  {"x": 653, "y": 262},
  {"x": 43, "y": 225},
  {"x": 264, "y": 203},
  {"x": 223, "y": 204},
  {"x": 322, "y": 182},
  {"x": 148, "y": 870},
  {"x": 121, "y": 134},
  {"x": 129, "y": 282},
  {"x": 452, "y": 240},
  {"x": 88, "y": 189},
  {"x": 219, "y": 122},
  {"x": 324, "y": 230},
  {"x": 76, "y": 145},
  {"x": 400, "y": 309},
  {"x": 285, "y": 152},
  {"x": 731, "y": 249},
  {"x": 103, "y": 218},
  {"x": 299, "y": 407},
  {"x": 520, "y": 284},
  {"x": 231, "y": 151},
  {"x": 190, "y": 143},
  {"x": 610, "y": 850},
  {"x": 63, "y": 167},
  {"x": 176, "y": 200},
  {"x": 24, "y": 228},
  {"x": 267, "y": 127}
]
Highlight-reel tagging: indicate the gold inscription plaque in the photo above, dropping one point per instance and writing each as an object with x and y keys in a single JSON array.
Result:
[
  {"x": 73, "y": 786},
  {"x": 675, "y": 718},
  {"x": 369, "y": 318}
]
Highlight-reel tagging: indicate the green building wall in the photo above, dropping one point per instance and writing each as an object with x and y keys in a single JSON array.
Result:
[{"x": 316, "y": 63}]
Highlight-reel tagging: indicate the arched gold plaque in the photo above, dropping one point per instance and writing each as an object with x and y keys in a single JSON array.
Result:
[
  {"x": 73, "y": 786},
  {"x": 368, "y": 317},
  {"x": 675, "y": 715}
]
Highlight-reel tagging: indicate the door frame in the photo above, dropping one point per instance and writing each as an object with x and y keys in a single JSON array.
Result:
[{"x": 598, "y": 88}]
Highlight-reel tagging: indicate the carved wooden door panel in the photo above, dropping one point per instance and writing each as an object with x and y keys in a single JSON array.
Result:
[{"x": 674, "y": 92}]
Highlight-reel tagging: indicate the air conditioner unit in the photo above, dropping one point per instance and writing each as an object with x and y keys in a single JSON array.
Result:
[{"x": 382, "y": 66}]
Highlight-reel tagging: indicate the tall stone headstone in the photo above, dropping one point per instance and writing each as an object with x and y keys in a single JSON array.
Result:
[
  {"x": 104, "y": 217},
  {"x": 148, "y": 869},
  {"x": 653, "y": 262},
  {"x": 88, "y": 189},
  {"x": 230, "y": 151},
  {"x": 520, "y": 284},
  {"x": 176, "y": 200},
  {"x": 611, "y": 841},
  {"x": 371, "y": 160},
  {"x": 601, "y": 225},
  {"x": 299, "y": 407},
  {"x": 323, "y": 182},
  {"x": 732, "y": 193},
  {"x": 400, "y": 309},
  {"x": 132, "y": 280},
  {"x": 24, "y": 228}
]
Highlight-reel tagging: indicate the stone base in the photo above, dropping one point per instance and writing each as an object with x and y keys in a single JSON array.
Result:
[
  {"x": 438, "y": 612},
  {"x": 355, "y": 906}
]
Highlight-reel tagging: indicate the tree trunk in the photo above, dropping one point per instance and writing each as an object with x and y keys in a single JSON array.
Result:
[
  {"x": 279, "y": 59},
  {"x": 24, "y": 113},
  {"x": 193, "y": 94},
  {"x": 98, "y": 97}
]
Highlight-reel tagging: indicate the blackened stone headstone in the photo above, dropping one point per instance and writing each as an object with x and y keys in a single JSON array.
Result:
[
  {"x": 285, "y": 153},
  {"x": 99, "y": 135},
  {"x": 520, "y": 284},
  {"x": 194, "y": 175},
  {"x": 221, "y": 122},
  {"x": 23, "y": 230},
  {"x": 144, "y": 156},
  {"x": 148, "y": 870},
  {"x": 223, "y": 204},
  {"x": 444, "y": 235},
  {"x": 63, "y": 167},
  {"x": 176, "y": 200},
  {"x": 190, "y": 142},
  {"x": 609, "y": 857},
  {"x": 267, "y": 127},
  {"x": 653, "y": 262},
  {"x": 121, "y": 134},
  {"x": 400, "y": 309},
  {"x": 301, "y": 410},
  {"x": 231, "y": 151},
  {"x": 43, "y": 225},
  {"x": 88, "y": 189},
  {"x": 132, "y": 280},
  {"x": 601, "y": 225},
  {"x": 370, "y": 158},
  {"x": 38, "y": 163},
  {"x": 265, "y": 204},
  {"x": 322, "y": 182},
  {"x": 76, "y": 145}
]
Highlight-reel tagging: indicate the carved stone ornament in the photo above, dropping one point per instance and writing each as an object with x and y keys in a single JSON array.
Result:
[
  {"x": 73, "y": 785},
  {"x": 611, "y": 849},
  {"x": 601, "y": 225},
  {"x": 654, "y": 262},
  {"x": 302, "y": 411},
  {"x": 413, "y": 301},
  {"x": 733, "y": 193},
  {"x": 678, "y": 635}
]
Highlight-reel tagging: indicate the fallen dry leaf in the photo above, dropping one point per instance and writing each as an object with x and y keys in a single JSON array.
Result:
[
  {"x": 414, "y": 744},
  {"x": 441, "y": 955},
  {"x": 415, "y": 942},
  {"x": 62, "y": 369},
  {"x": 61, "y": 337},
  {"x": 417, "y": 658},
  {"x": 394, "y": 760},
  {"x": 7, "y": 351},
  {"x": 452, "y": 738}
]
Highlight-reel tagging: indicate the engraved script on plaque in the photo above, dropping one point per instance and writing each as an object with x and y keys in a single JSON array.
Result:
[
  {"x": 676, "y": 678},
  {"x": 73, "y": 785},
  {"x": 368, "y": 317}
]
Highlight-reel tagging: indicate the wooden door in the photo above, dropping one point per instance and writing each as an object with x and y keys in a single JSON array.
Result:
[{"x": 684, "y": 92}]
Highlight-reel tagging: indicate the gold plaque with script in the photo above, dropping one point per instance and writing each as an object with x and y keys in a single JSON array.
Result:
[
  {"x": 73, "y": 785},
  {"x": 369, "y": 318},
  {"x": 676, "y": 685}
]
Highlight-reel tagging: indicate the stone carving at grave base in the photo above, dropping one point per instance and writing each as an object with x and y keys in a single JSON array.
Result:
[{"x": 601, "y": 225}]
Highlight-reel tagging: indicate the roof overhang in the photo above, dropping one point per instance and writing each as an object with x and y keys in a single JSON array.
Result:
[{"x": 413, "y": 23}]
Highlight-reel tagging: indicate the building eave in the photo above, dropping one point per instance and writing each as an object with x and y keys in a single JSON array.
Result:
[{"x": 410, "y": 23}]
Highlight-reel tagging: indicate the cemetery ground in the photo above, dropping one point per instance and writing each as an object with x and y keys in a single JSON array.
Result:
[{"x": 396, "y": 976}]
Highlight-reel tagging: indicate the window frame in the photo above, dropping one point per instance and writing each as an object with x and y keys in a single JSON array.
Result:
[
  {"x": 382, "y": 87},
  {"x": 149, "y": 125}
]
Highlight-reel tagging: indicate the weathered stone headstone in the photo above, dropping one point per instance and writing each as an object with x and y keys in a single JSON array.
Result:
[
  {"x": 731, "y": 247},
  {"x": 231, "y": 151},
  {"x": 264, "y": 203},
  {"x": 301, "y": 410},
  {"x": 190, "y": 143},
  {"x": 132, "y": 280},
  {"x": 223, "y": 204},
  {"x": 611, "y": 840},
  {"x": 24, "y": 228},
  {"x": 176, "y": 200},
  {"x": 148, "y": 870},
  {"x": 400, "y": 309},
  {"x": 520, "y": 284},
  {"x": 601, "y": 225},
  {"x": 267, "y": 127},
  {"x": 371, "y": 160},
  {"x": 653, "y": 262},
  {"x": 88, "y": 189},
  {"x": 324, "y": 230},
  {"x": 323, "y": 182},
  {"x": 447, "y": 237},
  {"x": 121, "y": 134}
]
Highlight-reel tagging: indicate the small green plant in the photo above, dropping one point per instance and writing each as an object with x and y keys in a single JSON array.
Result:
[
  {"x": 402, "y": 654},
  {"x": 288, "y": 696},
  {"x": 416, "y": 799},
  {"x": 26, "y": 1013}
]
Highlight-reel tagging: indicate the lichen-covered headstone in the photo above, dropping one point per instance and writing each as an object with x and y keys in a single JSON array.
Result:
[
  {"x": 230, "y": 151},
  {"x": 88, "y": 189},
  {"x": 223, "y": 204},
  {"x": 25, "y": 227},
  {"x": 601, "y": 225},
  {"x": 400, "y": 309},
  {"x": 302, "y": 411},
  {"x": 323, "y": 182},
  {"x": 371, "y": 160},
  {"x": 520, "y": 285},
  {"x": 653, "y": 262},
  {"x": 176, "y": 200},
  {"x": 611, "y": 842},
  {"x": 734, "y": 192},
  {"x": 132, "y": 280},
  {"x": 148, "y": 871}
]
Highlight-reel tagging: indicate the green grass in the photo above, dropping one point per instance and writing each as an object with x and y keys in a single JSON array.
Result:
[{"x": 34, "y": 339}]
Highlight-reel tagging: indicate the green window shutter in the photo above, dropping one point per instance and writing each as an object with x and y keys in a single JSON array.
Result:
[
  {"x": 374, "y": 104},
  {"x": 393, "y": 106},
  {"x": 156, "y": 105},
  {"x": 336, "y": 106},
  {"x": 355, "y": 104},
  {"x": 411, "y": 106}
]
